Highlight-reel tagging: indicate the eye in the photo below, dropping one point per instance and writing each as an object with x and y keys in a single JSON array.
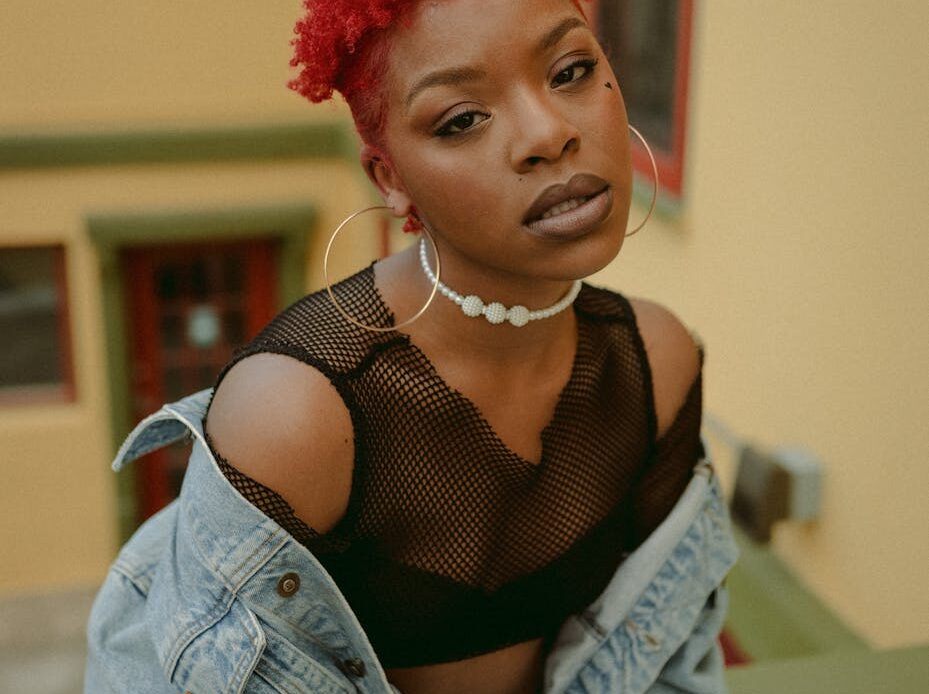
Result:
[
  {"x": 460, "y": 123},
  {"x": 575, "y": 72}
]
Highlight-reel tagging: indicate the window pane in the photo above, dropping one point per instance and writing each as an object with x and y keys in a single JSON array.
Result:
[{"x": 31, "y": 317}]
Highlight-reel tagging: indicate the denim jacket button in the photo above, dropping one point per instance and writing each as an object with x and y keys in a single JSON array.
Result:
[
  {"x": 354, "y": 667},
  {"x": 288, "y": 585}
]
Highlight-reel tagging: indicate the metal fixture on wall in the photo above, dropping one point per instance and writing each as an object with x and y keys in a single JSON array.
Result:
[{"x": 784, "y": 483}]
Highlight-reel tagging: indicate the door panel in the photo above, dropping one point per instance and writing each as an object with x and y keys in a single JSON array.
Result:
[{"x": 189, "y": 307}]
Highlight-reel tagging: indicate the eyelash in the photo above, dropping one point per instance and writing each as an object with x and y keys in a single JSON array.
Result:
[
  {"x": 587, "y": 63},
  {"x": 444, "y": 130}
]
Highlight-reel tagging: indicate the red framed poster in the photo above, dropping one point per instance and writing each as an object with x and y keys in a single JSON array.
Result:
[{"x": 648, "y": 43}]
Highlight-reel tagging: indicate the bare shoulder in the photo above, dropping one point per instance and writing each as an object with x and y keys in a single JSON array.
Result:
[
  {"x": 282, "y": 423},
  {"x": 672, "y": 356}
]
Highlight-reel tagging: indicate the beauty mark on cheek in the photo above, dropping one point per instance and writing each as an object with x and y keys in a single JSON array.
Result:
[{"x": 608, "y": 85}]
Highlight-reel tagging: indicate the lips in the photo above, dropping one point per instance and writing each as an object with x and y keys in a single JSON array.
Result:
[
  {"x": 568, "y": 211},
  {"x": 561, "y": 198}
]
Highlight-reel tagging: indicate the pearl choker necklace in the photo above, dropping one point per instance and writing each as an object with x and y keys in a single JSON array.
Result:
[{"x": 496, "y": 313}]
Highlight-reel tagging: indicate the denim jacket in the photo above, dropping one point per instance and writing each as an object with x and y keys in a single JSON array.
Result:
[{"x": 211, "y": 596}]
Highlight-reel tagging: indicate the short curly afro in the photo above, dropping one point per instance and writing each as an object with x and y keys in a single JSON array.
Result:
[{"x": 340, "y": 45}]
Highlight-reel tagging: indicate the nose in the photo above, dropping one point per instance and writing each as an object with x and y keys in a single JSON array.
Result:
[{"x": 543, "y": 133}]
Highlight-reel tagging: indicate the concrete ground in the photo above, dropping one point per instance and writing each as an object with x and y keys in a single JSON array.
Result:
[{"x": 42, "y": 643}]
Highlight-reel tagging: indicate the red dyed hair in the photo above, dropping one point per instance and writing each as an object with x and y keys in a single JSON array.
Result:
[{"x": 340, "y": 46}]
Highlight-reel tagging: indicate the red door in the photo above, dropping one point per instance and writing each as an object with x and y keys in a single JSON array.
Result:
[{"x": 189, "y": 307}]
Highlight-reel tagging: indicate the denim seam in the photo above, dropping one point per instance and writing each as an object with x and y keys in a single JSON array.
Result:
[
  {"x": 131, "y": 579},
  {"x": 233, "y": 583},
  {"x": 676, "y": 637},
  {"x": 318, "y": 669},
  {"x": 654, "y": 592},
  {"x": 268, "y": 616},
  {"x": 246, "y": 664},
  {"x": 270, "y": 684},
  {"x": 222, "y": 608},
  {"x": 591, "y": 625},
  {"x": 276, "y": 530},
  {"x": 650, "y": 589},
  {"x": 246, "y": 565},
  {"x": 182, "y": 642},
  {"x": 246, "y": 576}
]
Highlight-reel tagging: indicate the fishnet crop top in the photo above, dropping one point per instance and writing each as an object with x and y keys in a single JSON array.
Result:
[{"x": 452, "y": 544}]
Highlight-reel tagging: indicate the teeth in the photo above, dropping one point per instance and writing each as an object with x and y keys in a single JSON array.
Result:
[{"x": 565, "y": 206}]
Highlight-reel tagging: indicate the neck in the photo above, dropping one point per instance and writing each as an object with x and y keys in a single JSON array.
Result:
[{"x": 444, "y": 328}]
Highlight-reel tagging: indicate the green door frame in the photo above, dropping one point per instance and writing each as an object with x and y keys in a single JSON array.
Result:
[
  {"x": 111, "y": 233},
  {"x": 275, "y": 141}
]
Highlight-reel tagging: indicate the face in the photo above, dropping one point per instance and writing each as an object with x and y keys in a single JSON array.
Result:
[{"x": 506, "y": 129}]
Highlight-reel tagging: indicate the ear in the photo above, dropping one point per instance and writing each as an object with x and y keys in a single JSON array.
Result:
[{"x": 385, "y": 177}]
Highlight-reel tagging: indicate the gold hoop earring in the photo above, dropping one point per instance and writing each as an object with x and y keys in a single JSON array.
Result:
[
  {"x": 651, "y": 207},
  {"x": 335, "y": 302}
]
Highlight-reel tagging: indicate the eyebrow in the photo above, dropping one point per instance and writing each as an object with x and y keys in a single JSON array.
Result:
[
  {"x": 555, "y": 35},
  {"x": 449, "y": 76},
  {"x": 459, "y": 75}
]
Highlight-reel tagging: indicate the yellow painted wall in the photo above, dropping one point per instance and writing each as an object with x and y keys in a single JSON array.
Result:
[
  {"x": 798, "y": 254},
  {"x": 57, "y": 503},
  {"x": 100, "y": 63},
  {"x": 801, "y": 256},
  {"x": 93, "y": 65}
]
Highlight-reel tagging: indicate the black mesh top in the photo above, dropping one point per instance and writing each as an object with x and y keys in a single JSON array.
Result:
[{"x": 453, "y": 545}]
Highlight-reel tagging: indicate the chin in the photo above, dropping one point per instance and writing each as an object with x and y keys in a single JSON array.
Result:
[
  {"x": 601, "y": 251},
  {"x": 588, "y": 255},
  {"x": 597, "y": 264}
]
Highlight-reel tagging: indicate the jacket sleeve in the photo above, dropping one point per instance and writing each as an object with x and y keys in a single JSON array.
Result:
[
  {"x": 697, "y": 667},
  {"x": 119, "y": 647}
]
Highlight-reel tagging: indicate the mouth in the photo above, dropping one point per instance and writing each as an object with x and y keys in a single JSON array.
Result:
[
  {"x": 566, "y": 206},
  {"x": 571, "y": 209}
]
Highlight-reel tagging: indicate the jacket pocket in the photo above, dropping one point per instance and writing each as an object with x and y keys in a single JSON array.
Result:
[
  {"x": 120, "y": 652},
  {"x": 285, "y": 669},
  {"x": 120, "y": 649},
  {"x": 222, "y": 656}
]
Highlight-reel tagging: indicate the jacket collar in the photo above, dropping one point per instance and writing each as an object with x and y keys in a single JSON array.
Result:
[{"x": 212, "y": 581}]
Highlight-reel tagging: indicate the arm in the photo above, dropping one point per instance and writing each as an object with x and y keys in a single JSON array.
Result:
[
  {"x": 283, "y": 424},
  {"x": 675, "y": 361},
  {"x": 672, "y": 356}
]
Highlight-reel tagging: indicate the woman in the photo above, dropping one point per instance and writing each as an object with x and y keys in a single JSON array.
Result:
[{"x": 486, "y": 499}]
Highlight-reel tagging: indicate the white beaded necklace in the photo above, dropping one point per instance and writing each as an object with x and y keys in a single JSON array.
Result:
[{"x": 496, "y": 313}]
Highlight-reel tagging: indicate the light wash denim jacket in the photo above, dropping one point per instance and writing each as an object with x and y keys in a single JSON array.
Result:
[{"x": 213, "y": 597}]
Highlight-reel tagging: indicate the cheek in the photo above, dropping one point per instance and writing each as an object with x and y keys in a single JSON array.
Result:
[
  {"x": 451, "y": 193},
  {"x": 613, "y": 111},
  {"x": 612, "y": 107},
  {"x": 612, "y": 124},
  {"x": 608, "y": 146}
]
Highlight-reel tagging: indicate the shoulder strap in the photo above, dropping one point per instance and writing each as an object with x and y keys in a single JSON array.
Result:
[{"x": 311, "y": 330}]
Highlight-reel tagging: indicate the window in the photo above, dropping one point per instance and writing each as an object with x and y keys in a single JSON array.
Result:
[
  {"x": 648, "y": 42},
  {"x": 35, "y": 359}
]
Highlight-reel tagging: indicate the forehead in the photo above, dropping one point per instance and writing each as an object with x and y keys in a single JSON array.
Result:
[{"x": 454, "y": 33}]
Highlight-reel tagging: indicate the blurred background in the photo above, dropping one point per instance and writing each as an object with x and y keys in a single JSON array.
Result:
[{"x": 162, "y": 195}]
